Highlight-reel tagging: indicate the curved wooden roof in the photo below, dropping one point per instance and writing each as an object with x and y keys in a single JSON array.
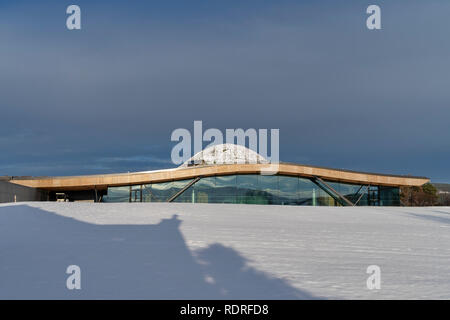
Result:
[{"x": 107, "y": 180}]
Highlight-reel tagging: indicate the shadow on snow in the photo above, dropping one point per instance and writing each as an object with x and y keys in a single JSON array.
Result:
[{"x": 121, "y": 262}]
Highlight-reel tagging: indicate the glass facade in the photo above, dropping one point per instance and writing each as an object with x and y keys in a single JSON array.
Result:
[
  {"x": 156, "y": 192},
  {"x": 389, "y": 196},
  {"x": 118, "y": 194},
  {"x": 257, "y": 189}
]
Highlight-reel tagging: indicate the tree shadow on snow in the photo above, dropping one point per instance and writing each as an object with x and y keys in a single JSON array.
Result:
[
  {"x": 429, "y": 217},
  {"x": 442, "y": 212},
  {"x": 121, "y": 262}
]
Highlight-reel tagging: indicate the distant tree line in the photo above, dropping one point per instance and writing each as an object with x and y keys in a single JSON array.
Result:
[
  {"x": 426, "y": 195},
  {"x": 444, "y": 199}
]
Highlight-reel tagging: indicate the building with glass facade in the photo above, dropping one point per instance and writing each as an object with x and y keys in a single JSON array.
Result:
[{"x": 206, "y": 180}]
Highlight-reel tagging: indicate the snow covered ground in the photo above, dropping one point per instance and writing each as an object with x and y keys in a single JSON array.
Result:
[{"x": 214, "y": 251}]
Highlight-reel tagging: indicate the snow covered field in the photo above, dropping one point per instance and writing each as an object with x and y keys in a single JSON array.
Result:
[{"x": 210, "y": 251}]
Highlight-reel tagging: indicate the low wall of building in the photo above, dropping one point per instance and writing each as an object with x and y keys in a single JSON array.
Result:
[{"x": 10, "y": 192}]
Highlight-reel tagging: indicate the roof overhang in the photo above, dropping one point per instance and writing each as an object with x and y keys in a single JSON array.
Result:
[{"x": 101, "y": 182}]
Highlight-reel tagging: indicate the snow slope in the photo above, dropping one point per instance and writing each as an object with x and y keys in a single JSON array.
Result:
[{"x": 214, "y": 251}]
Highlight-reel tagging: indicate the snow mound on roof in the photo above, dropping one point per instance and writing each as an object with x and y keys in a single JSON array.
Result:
[{"x": 225, "y": 154}]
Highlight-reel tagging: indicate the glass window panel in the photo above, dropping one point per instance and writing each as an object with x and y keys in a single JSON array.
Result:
[
  {"x": 288, "y": 190},
  {"x": 147, "y": 195},
  {"x": 269, "y": 186},
  {"x": 186, "y": 196},
  {"x": 247, "y": 190},
  {"x": 161, "y": 192},
  {"x": 204, "y": 190},
  {"x": 117, "y": 194},
  {"x": 389, "y": 196},
  {"x": 225, "y": 189},
  {"x": 307, "y": 191},
  {"x": 351, "y": 191},
  {"x": 324, "y": 199},
  {"x": 335, "y": 185}
]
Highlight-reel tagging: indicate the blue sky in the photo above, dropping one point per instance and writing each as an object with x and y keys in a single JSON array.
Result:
[{"x": 106, "y": 98}]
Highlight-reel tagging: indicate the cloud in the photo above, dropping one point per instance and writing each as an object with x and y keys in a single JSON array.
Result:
[{"x": 342, "y": 96}]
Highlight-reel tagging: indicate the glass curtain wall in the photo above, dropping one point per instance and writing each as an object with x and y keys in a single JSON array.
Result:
[{"x": 256, "y": 189}]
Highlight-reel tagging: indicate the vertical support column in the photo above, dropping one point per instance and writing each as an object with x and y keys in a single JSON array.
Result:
[
  {"x": 379, "y": 196},
  {"x": 314, "y": 201}
]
